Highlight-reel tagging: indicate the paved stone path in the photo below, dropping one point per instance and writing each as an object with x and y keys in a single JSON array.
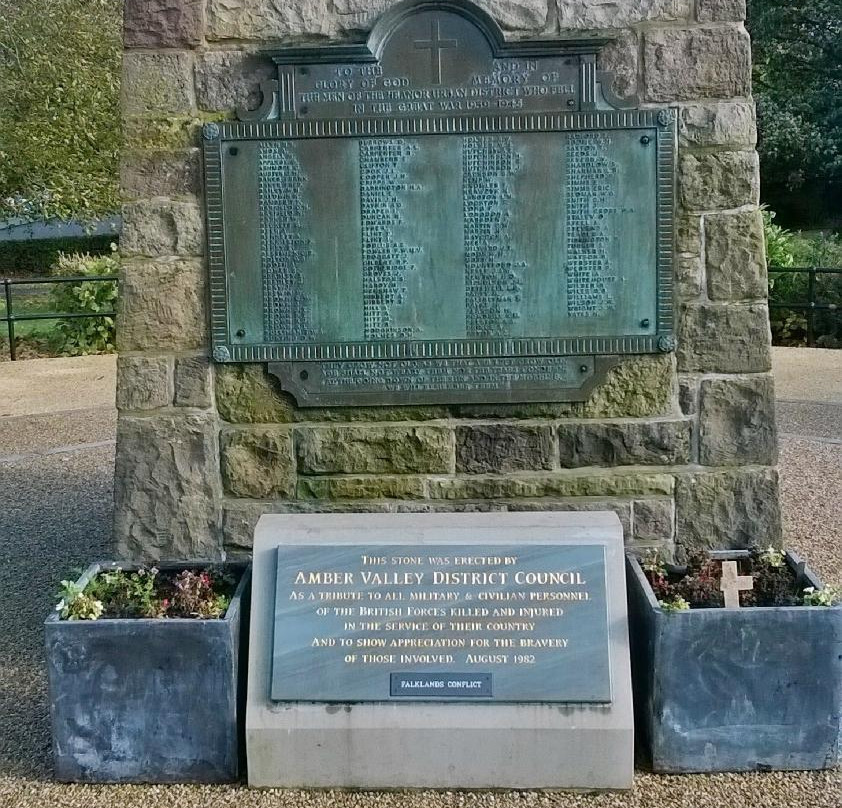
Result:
[{"x": 57, "y": 424}]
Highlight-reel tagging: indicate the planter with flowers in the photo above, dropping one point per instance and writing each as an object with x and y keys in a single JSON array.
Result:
[
  {"x": 751, "y": 687},
  {"x": 144, "y": 673}
]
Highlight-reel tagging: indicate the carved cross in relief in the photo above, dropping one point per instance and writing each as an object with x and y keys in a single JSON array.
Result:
[
  {"x": 435, "y": 44},
  {"x": 732, "y": 584}
]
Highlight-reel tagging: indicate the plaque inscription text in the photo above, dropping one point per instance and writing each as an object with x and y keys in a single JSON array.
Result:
[{"x": 495, "y": 622}]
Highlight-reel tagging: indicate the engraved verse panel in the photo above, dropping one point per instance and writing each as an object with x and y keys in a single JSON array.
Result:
[{"x": 493, "y": 622}]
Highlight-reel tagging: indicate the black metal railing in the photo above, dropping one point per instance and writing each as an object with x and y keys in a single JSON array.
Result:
[
  {"x": 810, "y": 305},
  {"x": 10, "y": 318}
]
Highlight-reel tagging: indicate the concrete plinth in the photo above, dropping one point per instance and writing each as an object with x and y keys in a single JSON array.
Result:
[{"x": 430, "y": 744}]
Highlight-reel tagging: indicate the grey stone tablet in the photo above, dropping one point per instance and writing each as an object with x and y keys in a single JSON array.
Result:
[
  {"x": 376, "y": 622},
  {"x": 544, "y": 702}
]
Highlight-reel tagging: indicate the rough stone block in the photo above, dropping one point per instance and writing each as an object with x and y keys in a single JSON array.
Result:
[
  {"x": 604, "y": 484},
  {"x": 628, "y": 443},
  {"x": 688, "y": 394},
  {"x": 239, "y": 517},
  {"x": 489, "y": 448},
  {"x": 654, "y": 521},
  {"x": 724, "y": 509},
  {"x": 619, "y": 57},
  {"x": 258, "y": 20},
  {"x": 246, "y": 394},
  {"x": 162, "y": 23},
  {"x": 688, "y": 234},
  {"x": 721, "y": 10},
  {"x": 162, "y": 306},
  {"x": 375, "y": 487},
  {"x": 144, "y": 382},
  {"x": 737, "y": 421},
  {"x": 258, "y": 463},
  {"x": 688, "y": 260},
  {"x": 193, "y": 382},
  {"x": 611, "y": 14},
  {"x": 722, "y": 123},
  {"x": 686, "y": 64},
  {"x": 622, "y": 507},
  {"x": 735, "y": 256},
  {"x": 721, "y": 338},
  {"x": 163, "y": 132},
  {"x": 359, "y": 15},
  {"x": 167, "y": 487},
  {"x": 161, "y": 173},
  {"x": 374, "y": 449},
  {"x": 688, "y": 276},
  {"x": 162, "y": 228},
  {"x": 157, "y": 82},
  {"x": 719, "y": 181},
  {"x": 512, "y": 15},
  {"x": 226, "y": 79},
  {"x": 518, "y": 15}
]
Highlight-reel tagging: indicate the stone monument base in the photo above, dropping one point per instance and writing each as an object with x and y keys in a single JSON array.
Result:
[{"x": 435, "y": 744}]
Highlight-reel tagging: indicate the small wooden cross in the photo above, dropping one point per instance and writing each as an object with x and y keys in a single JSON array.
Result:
[{"x": 732, "y": 584}]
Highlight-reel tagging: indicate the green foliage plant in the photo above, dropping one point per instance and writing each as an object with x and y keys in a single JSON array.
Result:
[
  {"x": 89, "y": 335},
  {"x": 826, "y": 596},
  {"x": 148, "y": 593},
  {"x": 76, "y": 604},
  {"x": 59, "y": 108},
  {"x": 785, "y": 248}
]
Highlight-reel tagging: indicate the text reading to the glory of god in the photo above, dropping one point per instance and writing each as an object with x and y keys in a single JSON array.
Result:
[{"x": 488, "y": 622}]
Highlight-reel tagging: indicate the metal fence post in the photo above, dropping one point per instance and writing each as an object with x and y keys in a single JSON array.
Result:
[
  {"x": 10, "y": 318},
  {"x": 811, "y": 313}
]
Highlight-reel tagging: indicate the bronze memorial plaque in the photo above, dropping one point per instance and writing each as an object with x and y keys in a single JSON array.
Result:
[{"x": 440, "y": 216}]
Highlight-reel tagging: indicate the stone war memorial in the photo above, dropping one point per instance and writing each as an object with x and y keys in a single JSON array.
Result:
[{"x": 434, "y": 309}]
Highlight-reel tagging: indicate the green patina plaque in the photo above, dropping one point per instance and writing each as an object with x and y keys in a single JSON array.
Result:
[{"x": 440, "y": 216}]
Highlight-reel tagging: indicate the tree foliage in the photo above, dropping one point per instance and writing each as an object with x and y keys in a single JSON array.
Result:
[
  {"x": 797, "y": 52},
  {"x": 59, "y": 107}
]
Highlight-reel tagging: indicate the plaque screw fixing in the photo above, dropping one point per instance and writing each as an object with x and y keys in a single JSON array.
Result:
[
  {"x": 304, "y": 71},
  {"x": 571, "y": 102},
  {"x": 644, "y": 323},
  {"x": 233, "y": 151},
  {"x": 583, "y": 368},
  {"x": 241, "y": 333},
  {"x": 304, "y": 375},
  {"x": 304, "y": 110},
  {"x": 645, "y": 140}
]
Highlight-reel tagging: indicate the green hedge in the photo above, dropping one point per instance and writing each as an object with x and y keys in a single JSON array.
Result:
[{"x": 59, "y": 107}]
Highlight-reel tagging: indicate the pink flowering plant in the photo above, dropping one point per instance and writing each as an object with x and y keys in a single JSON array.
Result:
[{"x": 148, "y": 593}]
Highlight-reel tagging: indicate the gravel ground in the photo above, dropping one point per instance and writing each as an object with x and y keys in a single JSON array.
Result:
[{"x": 55, "y": 484}]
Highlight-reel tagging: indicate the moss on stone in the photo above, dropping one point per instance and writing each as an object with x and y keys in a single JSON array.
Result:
[
  {"x": 373, "y": 414},
  {"x": 374, "y": 488},
  {"x": 551, "y": 485},
  {"x": 638, "y": 387},
  {"x": 167, "y": 132},
  {"x": 246, "y": 395},
  {"x": 258, "y": 463},
  {"x": 374, "y": 449}
]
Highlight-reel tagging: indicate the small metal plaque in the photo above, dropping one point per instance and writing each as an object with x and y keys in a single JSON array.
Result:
[
  {"x": 442, "y": 685},
  {"x": 439, "y": 215},
  {"x": 431, "y": 621}
]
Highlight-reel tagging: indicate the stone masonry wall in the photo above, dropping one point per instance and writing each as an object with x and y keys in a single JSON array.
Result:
[{"x": 682, "y": 446}]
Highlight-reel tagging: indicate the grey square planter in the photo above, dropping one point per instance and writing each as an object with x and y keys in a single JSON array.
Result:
[
  {"x": 144, "y": 700},
  {"x": 756, "y": 688}
]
